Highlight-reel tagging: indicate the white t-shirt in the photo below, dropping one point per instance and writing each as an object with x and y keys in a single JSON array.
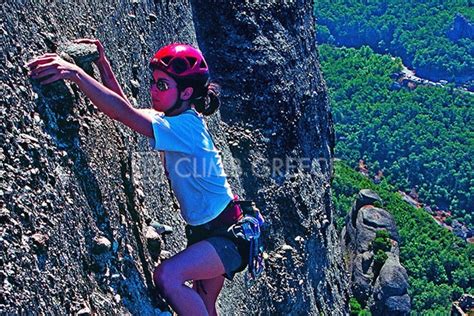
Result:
[{"x": 193, "y": 164}]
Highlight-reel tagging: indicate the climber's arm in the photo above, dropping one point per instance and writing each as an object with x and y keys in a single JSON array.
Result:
[
  {"x": 113, "y": 105},
  {"x": 106, "y": 74},
  {"x": 106, "y": 100}
]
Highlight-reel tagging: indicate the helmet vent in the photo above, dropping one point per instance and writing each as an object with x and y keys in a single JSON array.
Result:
[
  {"x": 192, "y": 61},
  {"x": 179, "y": 65},
  {"x": 181, "y": 61},
  {"x": 166, "y": 60}
]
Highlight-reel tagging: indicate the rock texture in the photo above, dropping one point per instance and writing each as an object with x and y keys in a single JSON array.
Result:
[
  {"x": 78, "y": 190},
  {"x": 383, "y": 289}
]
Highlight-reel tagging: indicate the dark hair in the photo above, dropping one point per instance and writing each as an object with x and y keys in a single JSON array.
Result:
[
  {"x": 210, "y": 102},
  {"x": 205, "y": 95}
]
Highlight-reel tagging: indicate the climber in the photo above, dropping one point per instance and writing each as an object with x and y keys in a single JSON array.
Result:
[{"x": 181, "y": 93}]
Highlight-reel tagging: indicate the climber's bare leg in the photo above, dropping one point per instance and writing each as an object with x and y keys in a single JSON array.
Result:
[
  {"x": 197, "y": 262},
  {"x": 209, "y": 291}
]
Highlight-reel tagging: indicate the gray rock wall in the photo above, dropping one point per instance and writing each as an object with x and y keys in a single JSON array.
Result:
[{"x": 78, "y": 189}]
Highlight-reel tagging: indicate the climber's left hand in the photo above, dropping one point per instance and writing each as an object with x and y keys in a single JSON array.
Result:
[{"x": 53, "y": 66}]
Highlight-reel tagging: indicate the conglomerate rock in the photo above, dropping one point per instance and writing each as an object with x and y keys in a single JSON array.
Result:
[{"x": 78, "y": 190}]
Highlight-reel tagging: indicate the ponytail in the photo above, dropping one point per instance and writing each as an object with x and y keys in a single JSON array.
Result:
[{"x": 208, "y": 103}]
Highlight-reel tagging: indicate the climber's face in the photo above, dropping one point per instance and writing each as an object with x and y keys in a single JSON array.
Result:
[{"x": 163, "y": 90}]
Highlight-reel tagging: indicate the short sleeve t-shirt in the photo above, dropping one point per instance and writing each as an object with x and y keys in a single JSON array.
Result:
[{"x": 193, "y": 164}]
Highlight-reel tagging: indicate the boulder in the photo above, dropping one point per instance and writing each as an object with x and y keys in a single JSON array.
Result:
[
  {"x": 390, "y": 296},
  {"x": 397, "y": 305},
  {"x": 101, "y": 245},
  {"x": 154, "y": 243},
  {"x": 392, "y": 280},
  {"x": 369, "y": 220},
  {"x": 383, "y": 289},
  {"x": 82, "y": 54},
  {"x": 367, "y": 197}
]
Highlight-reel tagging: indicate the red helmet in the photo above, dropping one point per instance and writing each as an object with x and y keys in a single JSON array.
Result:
[{"x": 180, "y": 61}]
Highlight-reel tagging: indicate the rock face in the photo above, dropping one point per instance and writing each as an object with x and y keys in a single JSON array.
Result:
[
  {"x": 383, "y": 287},
  {"x": 78, "y": 190}
]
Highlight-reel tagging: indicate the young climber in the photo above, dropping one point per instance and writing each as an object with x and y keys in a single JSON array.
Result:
[{"x": 180, "y": 94}]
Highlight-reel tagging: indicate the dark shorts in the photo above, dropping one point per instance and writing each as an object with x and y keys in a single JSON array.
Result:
[{"x": 232, "y": 251}]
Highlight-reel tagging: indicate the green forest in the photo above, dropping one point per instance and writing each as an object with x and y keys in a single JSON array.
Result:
[
  {"x": 419, "y": 138},
  {"x": 414, "y": 136},
  {"x": 420, "y": 32},
  {"x": 437, "y": 262}
]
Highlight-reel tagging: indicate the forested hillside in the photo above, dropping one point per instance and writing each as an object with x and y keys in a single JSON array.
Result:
[
  {"x": 407, "y": 133},
  {"x": 419, "y": 137},
  {"x": 437, "y": 262},
  {"x": 434, "y": 37}
]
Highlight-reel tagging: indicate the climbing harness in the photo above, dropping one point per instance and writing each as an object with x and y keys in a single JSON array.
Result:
[{"x": 249, "y": 228}]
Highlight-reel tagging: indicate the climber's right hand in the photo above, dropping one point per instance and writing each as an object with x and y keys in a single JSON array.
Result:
[
  {"x": 53, "y": 66},
  {"x": 98, "y": 44}
]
